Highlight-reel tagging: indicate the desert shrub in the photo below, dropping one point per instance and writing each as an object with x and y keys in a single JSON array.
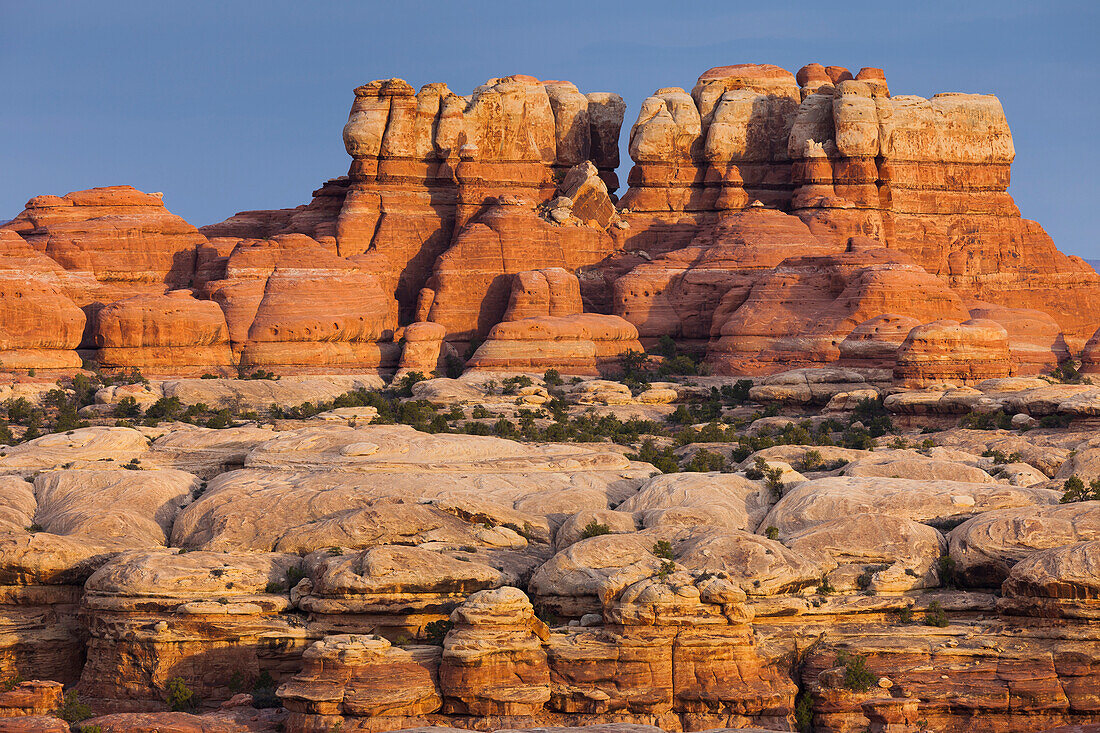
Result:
[
  {"x": 948, "y": 577},
  {"x": 180, "y": 697},
  {"x": 512, "y": 385},
  {"x": 935, "y": 615},
  {"x": 825, "y": 588},
  {"x": 453, "y": 366},
  {"x": 804, "y": 712},
  {"x": 594, "y": 529},
  {"x": 904, "y": 615},
  {"x": 868, "y": 574},
  {"x": 166, "y": 408},
  {"x": 664, "y": 459},
  {"x": 127, "y": 407},
  {"x": 668, "y": 567},
  {"x": 85, "y": 388},
  {"x": 681, "y": 365},
  {"x": 263, "y": 692},
  {"x": 1067, "y": 372},
  {"x": 633, "y": 364},
  {"x": 436, "y": 631},
  {"x": 1074, "y": 490},
  {"x": 663, "y": 549},
  {"x": 811, "y": 461},
  {"x": 405, "y": 384},
  {"x": 293, "y": 576},
  {"x": 772, "y": 533},
  {"x": 998, "y": 420},
  {"x": 72, "y": 710},
  {"x": 552, "y": 378},
  {"x": 856, "y": 675},
  {"x": 704, "y": 460}
]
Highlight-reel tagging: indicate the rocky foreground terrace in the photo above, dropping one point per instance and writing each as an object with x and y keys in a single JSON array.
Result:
[{"x": 798, "y": 434}]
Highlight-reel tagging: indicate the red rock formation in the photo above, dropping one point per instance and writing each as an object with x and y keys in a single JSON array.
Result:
[
  {"x": 798, "y": 314},
  {"x": 292, "y": 304},
  {"x": 172, "y": 333},
  {"x": 544, "y": 328},
  {"x": 779, "y": 219},
  {"x": 124, "y": 238},
  {"x": 353, "y": 677},
  {"x": 952, "y": 352},
  {"x": 1090, "y": 356},
  {"x": 426, "y": 163},
  {"x": 472, "y": 280},
  {"x": 493, "y": 661},
  {"x": 926, "y": 177}
]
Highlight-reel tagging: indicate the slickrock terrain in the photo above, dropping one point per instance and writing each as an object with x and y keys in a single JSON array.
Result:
[
  {"x": 797, "y": 434},
  {"x": 509, "y": 551}
]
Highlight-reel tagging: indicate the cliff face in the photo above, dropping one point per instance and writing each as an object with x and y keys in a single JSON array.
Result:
[{"x": 770, "y": 218}]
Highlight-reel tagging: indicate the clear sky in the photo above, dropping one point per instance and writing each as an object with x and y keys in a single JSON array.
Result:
[{"x": 226, "y": 106}]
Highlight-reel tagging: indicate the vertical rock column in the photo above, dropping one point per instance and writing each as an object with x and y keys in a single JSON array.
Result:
[{"x": 493, "y": 659}]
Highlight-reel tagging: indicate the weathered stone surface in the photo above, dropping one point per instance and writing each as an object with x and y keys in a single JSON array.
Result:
[
  {"x": 986, "y": 547},
  {"x": 493, "y": 662},
  {"x": 362, "y": 676},
  {"x": 874, "y": 552},
  {"x": 1071, "y": 572},
  {"x": 205, "y": 617},
  {"x": 722, "y": 499},
  {"x": 125, "y": 239},
  {"x": 813, "y": 502},
  {"x": 171, "y": 333},
  {"x": 951, "y": 352}
]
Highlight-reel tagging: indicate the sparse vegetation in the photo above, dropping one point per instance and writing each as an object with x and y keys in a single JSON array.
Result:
[
  {"x": 72, "y": 710},
  {"x": 935, "y": 615},
  {"x": 856, "y": 675},
  {"x": 1075, "y": 490},
  {"x": 663, "y": 549},
  {"x": 180, "y": 697},
  {"x": 594, "y": 529},
  {"x": 436, "y": 631}
]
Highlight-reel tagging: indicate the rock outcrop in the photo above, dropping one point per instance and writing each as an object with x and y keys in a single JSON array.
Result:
[{"x": 773, "y": 219}]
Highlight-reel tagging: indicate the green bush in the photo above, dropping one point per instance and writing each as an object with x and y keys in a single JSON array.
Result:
[
  {"x": 72, "y": 710},
  {"x": 127, "y": 407},
  {"x": 436, "y": 631},
  {"x": 663, "y": 549},
  {"x": 1067, "y": 372},
  {"x": 263, "y": 692},
  {"x": 166, "y": 408},
  {"x": 948, "y": 577},
  {"x": 804, "y": 712},
  {"x": 552, "y": 378},
  {"x": 405, "y": 384},
  {"x": 180, "y": 697},
  {"x": 594, "y": 529},
  {"x": 772, "y": 533},
  {"x": 664, "y": 459},
  {"x": 1074, "y": 490},
  {"x": 704, "y": 461},
  {"x": 856, "y": 675},
  {"x": 935, "y": 615},
  {"x": 512, "y": 385}
]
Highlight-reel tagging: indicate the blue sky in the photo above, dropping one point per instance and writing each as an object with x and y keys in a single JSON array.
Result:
[{"x": 226, "y": 106}]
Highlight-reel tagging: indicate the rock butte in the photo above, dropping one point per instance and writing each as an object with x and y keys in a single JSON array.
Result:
[
  {"x": 771, "y": 220},
  {"x": 314, "y": 570}
]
